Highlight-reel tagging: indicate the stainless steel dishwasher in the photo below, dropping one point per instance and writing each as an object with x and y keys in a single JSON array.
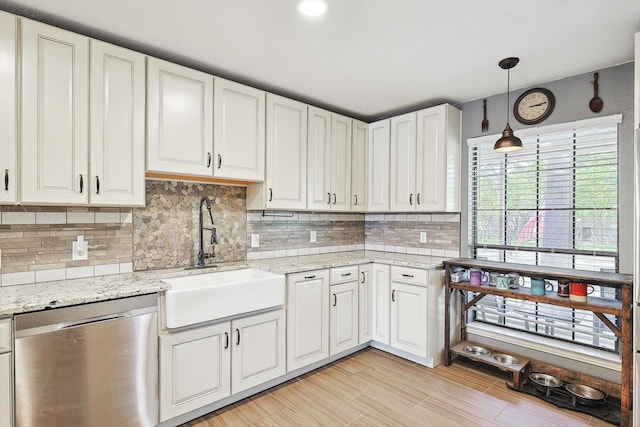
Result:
[{"x": 91, "y": 365}]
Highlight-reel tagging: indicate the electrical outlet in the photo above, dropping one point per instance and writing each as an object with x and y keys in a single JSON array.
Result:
[
  {"x": 423, "y": 237},
  {"x": 79, "y": 249},
  {"x": 255, "y": 240},
  {"x": 312, "y": 237}
]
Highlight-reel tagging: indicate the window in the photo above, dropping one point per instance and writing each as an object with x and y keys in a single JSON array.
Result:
[{"x": 554, "y": 203}]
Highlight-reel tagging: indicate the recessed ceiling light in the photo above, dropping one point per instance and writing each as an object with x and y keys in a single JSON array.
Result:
[{"x": 312, "y": 7}]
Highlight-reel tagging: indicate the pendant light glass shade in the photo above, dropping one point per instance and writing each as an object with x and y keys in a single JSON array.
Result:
[{"x": 508, "y": 142}]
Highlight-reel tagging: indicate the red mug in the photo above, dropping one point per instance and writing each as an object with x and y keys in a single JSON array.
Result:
[{"x": 579, "y": 291}]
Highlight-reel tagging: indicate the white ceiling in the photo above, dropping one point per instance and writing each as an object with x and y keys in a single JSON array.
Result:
[{"x": 368, "y": 58}]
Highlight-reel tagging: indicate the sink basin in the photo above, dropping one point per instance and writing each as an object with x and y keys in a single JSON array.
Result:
[{"x": 205, "y": 297}]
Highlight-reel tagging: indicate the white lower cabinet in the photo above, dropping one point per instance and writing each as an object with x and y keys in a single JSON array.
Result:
[
  {"x": 343, "y": 318},
  {"x": 380, "y": 294},
  {"x": 365, "y": 305},
  {"x": 203, "y": 365},
  {"x": 307, "y": 318}
]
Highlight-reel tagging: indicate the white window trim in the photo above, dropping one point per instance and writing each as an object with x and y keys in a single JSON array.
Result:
[
  {"x": 560, "y": 127},
  {"x": 551, "y": 346}
]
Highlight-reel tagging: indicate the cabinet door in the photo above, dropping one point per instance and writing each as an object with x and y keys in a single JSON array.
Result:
[
  {"x": 340, "y": 162},
  {"x": 6, "y": 404},
  {"x": 343, "y": 319},
  {"x": 55, "y": 105},
  {"x": 8, "y": 116},
  {"x": 286, "y": 174},
  {"x": 379, "y": 146},
  {"x": 381, "y": 290},
  {"x": 307, "y": 318},
  {"x": 258, "y": 350},
  {"x": 359, "y": 166},
  {"x": 365, "y": 305},
  {"x": 180, "y": 119},
  {"x": 409, "y": 318},
  {"x": 403, "y": 162},
  {"x": 194, "y": 369},
  {"x": 117, "y": 126},
  {"x": 238, "y": 131},
  {"x": 319, "y": 159}
]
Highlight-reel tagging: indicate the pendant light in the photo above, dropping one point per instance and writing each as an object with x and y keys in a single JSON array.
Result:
[{"x": 509, "y": 142}]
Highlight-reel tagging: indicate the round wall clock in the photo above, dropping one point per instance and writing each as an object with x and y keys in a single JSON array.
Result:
[{"x": 534, "y": 106}]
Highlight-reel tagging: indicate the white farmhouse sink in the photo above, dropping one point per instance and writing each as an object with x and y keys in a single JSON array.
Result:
[{"x": 204, "y": 297}]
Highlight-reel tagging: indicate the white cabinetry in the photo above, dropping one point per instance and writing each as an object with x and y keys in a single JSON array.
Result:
[
  {"x": 380, "y": 281},
  {"x": 258, "y": 350},
  {"x": 329, "y": 161},
  {"x": 180, "y": 119},
  {"x": 307, "y": 318},
  {"x": 343, "y": 320},
  {"x": 55, "y": 72},
  {"x": 379, "y": 146},
  {"x": 409, "y": 307},
  {"x": 194, "y": 369},
  {"x": 8, "y": 114},
  {"x": 117, "y": 128},
  {"x": 359, "y": 166},
  {"x": 203, "y": 365},
  {"x": 286, "y": 158},
  {"x": 238, "y": 131},
  {"x": 403, "y": 162},
  {"x": 365, "y": 304},
  {"x": 6, "y": 387}
]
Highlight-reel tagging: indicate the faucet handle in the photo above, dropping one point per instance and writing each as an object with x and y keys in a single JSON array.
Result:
[{"x": 214, "y": 236}]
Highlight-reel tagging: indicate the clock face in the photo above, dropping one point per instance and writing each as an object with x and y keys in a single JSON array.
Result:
[{"x": 534, "y": 106}]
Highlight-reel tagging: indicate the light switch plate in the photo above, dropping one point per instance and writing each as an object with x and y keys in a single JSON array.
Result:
[
  {"x": 312, "y": 237},
  {"x": 423, "y": 237},
  {"x": 255, "y": 240}
]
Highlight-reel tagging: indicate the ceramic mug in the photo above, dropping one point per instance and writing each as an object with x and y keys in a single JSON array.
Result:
[
  {"x": 579, "y": 291},
  {"x": 518, "y": 280},
  {"x": 504, "y": 282},
  {"x": 539, "y": 286},
  {"x": 478, "y": 277},
  {"x": 563, "y": 288}
]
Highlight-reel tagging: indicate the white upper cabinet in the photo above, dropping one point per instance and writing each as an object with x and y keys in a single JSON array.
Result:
[
  {"x": 117, "y": 134},
  {"x": 8, "y": 116},
  {"x": 438, "y": 157},
  {"x": 359, "y": 165},
  {"x": 285, "y": 185},
  {"x": 379, "y": 146},
  {"x": 238, "y": 131},
  {"x": 403, "y": 162},
  {"x": 55, "y": 72},
  {"x": 319, "y": 159},
  {"x": 180, "y": 119},
  {"x": 340, "y": 162}
]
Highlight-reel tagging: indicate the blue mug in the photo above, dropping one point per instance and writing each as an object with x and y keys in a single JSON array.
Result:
[{"x": 539, "y": 286}]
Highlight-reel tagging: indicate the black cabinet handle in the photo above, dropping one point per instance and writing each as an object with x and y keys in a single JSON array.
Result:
[
  {"x": 335, "y": 300},
  {"x": 97, "y": 184},
  {"x": 219, "y": 161},
  {"x": 363, "y": 277},
  {"x": 407, "y": 275},
  {"x": 310, "y": 277},
  {"x": 6, "y": 180},
  {"x": 238, "y": 336},
  {"x": 356, "y": 197},
  {"x": 208, "y": 160},
  {"x": 81, "y": 183},
  {"x": 328, "y": 198},
  {"x": 418, "y": 198},
  {"x": 270, "y": 194},
  {"x": 411, "y": 199},
  {"x": 226, "y": 340},
  {"x": 334, "y": 198},
  {"x": 346, "y": 274},
  {"x": 393, "y": 295}
]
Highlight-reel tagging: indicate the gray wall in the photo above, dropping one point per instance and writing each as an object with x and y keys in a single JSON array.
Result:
[{"x": 572, "y": 96}]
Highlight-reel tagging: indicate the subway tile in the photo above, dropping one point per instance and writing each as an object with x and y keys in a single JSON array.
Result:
[
  {"x": 22, "y": 278},
  {"x": 79, "y": 272},
  {"x": 51, "y": 217},
  {"x": 50, "y": 275},
  {"x": 80, "y": 217},
  {"x": 10, "y": 218},
  {"x": 107, "y": 217},
  {"x": 106, "y": 269}
]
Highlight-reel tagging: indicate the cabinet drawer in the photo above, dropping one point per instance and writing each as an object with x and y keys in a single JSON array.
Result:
[
  {"x": 5, "y": 335},
  {"x": 409, "y": 275},
  {"x": 344, "y": 274}
]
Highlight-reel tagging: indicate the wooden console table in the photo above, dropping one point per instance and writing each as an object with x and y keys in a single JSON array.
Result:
[{"x": 598, "y": 306}]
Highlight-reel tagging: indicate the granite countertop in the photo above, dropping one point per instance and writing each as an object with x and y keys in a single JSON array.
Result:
[{"x": 45, "y": 295}]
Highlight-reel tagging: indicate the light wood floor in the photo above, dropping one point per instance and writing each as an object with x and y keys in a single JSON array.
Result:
[{"x": 373, "y": 388}]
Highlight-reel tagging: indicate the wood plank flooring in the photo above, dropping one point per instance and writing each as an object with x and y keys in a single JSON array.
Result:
[{"x": 374, "y": 389}]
